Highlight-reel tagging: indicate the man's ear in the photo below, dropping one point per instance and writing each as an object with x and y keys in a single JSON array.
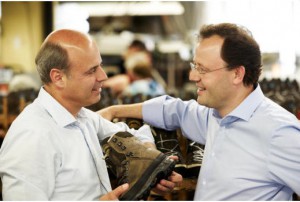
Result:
[
  {"x": 239, "y": 73},
  {"x": 57, "y": 77}
]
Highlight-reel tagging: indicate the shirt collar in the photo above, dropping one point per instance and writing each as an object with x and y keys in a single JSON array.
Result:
[
  {"x": 244, "y": 110},
  {"x": 249, "y": 105},
  {"x": 60, "y": 114}
]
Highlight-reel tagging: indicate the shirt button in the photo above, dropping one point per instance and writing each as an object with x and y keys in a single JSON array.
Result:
[
  {"x": 204, "y": 182},
  {"x": 213, "y": 154}
]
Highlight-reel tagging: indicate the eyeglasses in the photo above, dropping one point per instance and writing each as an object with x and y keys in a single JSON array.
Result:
[{"x": 201, "y": 70}]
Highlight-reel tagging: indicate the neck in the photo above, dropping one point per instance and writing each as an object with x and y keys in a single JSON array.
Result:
[
  {"x": 236, "y": 100},
  {"x": 57, "y": 95}
]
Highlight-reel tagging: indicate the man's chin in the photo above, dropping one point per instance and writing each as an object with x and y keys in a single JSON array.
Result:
[
  {"x": 201, "y": 101},
  {"x": 95, "y": 99}
]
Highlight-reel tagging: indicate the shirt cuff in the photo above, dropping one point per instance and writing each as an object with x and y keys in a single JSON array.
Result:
[{"x": 152, "y": 111}]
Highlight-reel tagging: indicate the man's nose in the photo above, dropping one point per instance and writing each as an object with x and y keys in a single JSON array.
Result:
[
  {"x": 194, "y": 75},
  {"x": 101, "y": 75}
]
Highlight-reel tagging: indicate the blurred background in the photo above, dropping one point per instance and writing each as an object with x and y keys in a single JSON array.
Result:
[
  {"x": 146, "y": 46},
  {"x": 158, "y": 35}
]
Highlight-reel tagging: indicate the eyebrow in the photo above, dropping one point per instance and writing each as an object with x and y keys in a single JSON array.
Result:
[{"x": 93, "y": 67}]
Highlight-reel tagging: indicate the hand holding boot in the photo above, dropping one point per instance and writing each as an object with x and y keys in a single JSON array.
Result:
[
  {"x": 115, "y": 194},
  {"x": 174, "y": 180}
]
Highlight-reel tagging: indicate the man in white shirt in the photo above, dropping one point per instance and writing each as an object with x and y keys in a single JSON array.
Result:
[{"x": 52, "y": 150}]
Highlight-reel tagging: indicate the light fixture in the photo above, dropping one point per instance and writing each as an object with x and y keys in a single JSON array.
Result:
[{"x": 144, "y": 8}]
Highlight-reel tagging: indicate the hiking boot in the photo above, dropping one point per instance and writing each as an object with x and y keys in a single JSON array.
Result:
[
  {"x": 167, "y": 142},
  {"x": 136, "y": 164},
  {"x": 111, "y": 167},
  {"x": 195, "y": 154}
]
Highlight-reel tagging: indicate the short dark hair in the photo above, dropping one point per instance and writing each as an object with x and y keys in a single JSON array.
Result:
[
  {"x": 51, "y": 56},
  {"x": 138, "y": 44},
  {"x": 239, "y": 48},
  {"x": 143, "y": 71}
]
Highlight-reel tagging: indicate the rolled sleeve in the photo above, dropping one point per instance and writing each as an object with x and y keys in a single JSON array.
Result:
[{"x": 153, "y": 111}]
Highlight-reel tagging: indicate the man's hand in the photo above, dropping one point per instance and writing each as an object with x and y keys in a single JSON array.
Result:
[
  {"x": 174, "y": 180},
  {"x": 165, "y": 186},
  {"x": 115, "y": 194}
]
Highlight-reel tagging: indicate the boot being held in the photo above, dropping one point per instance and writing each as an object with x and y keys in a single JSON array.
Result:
[{"x": 136, "y": 164}]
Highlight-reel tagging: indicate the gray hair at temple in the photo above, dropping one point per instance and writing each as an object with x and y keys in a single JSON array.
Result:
[{"x": 51, "y": 56}]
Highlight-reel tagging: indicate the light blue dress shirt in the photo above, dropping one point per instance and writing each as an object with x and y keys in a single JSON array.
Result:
[
  {"x": 48, "y": 154},
  {"x": 253, "y": 153}
]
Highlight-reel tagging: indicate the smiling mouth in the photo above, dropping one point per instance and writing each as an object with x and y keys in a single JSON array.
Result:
[
  {"x": 97, "y": 90},
  {"x": 201, "y": 89}
]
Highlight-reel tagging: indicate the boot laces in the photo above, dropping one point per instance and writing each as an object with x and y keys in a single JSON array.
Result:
[
  {"x": 161, "y": 142},
  {"x": 106, "y": 153},
  {"x": 105, "y": 156},
  {"x": 198, "y": 152},
  {"x": 170, "y": 151}
]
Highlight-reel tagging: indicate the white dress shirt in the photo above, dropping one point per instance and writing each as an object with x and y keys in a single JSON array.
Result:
[{"x": 48, "y": 154}]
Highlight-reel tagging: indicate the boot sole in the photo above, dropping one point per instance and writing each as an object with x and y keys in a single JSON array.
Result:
[{"x": 161, "y": 168}]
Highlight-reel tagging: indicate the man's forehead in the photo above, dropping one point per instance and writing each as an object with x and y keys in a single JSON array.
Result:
[{"x": 68, "y": 38}]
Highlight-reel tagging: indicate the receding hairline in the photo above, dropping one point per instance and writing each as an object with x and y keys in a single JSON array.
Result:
[{"x": 69, "y": 38}]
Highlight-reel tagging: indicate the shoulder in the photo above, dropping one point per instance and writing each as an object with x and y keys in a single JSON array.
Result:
[
  {"x": 275, "y": 118},
  {"x": 278, "y": 114}
]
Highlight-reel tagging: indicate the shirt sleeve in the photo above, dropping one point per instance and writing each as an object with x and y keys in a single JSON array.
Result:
[
  {"x": 108, "y": 128},
  {"x": 172, "y": 113},
  {"x": 284, "y": 158}
]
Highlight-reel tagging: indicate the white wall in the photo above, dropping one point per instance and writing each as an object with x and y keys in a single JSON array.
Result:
[{"x": 21, "y": 34}]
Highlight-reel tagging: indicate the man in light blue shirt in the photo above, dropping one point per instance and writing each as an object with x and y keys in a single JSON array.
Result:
[
  {"x": 252, "y": 145},
  {"x": 52, "y": 150}
]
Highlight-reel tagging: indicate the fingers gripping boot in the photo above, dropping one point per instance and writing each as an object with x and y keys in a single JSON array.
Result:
[{"x": 136, "y": 164}]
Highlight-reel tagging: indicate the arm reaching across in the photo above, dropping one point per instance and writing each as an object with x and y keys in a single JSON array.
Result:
[{"x": 122, "y": 111}]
